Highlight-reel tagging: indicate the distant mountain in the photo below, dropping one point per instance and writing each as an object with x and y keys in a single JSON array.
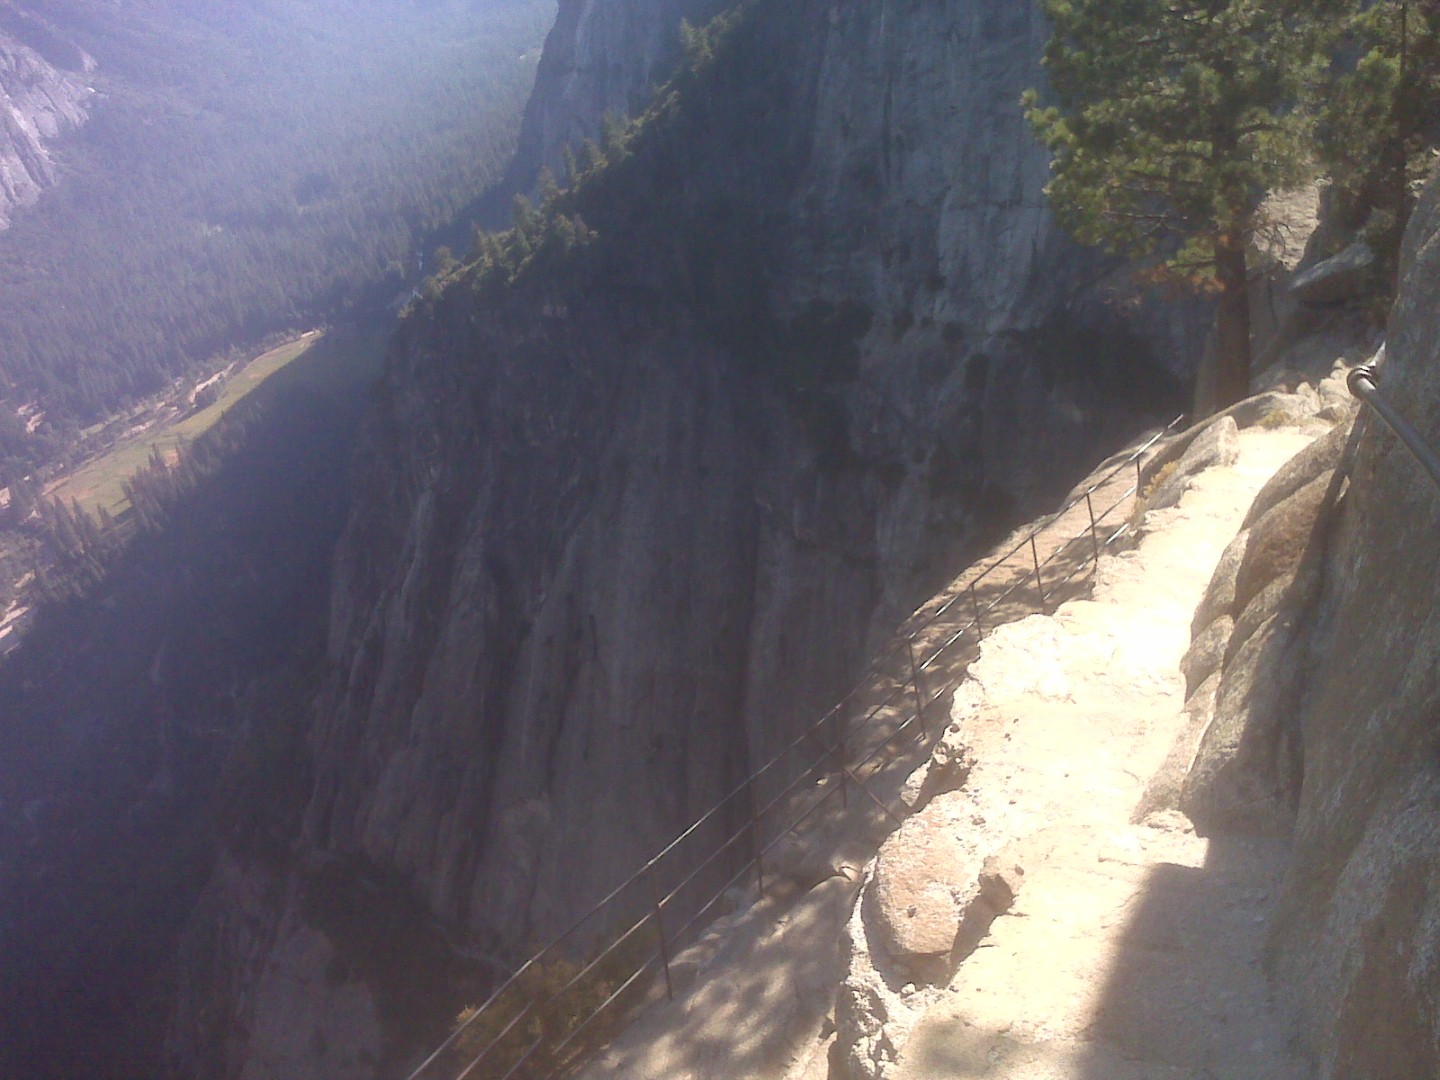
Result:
[
  {"x": 39, "y": 101},
  {"x": 217, "y": 172}
]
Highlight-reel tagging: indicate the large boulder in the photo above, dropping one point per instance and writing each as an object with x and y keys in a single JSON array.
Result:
[
  {"x": 1163, "y": 792},
  {"x": 1219, "y": 597},
  {"x": 926, "y": 877},
  {"x": 1216, "y": 445},
  {"x": 1250, "y": 630},
  {"x": 1320, "y": 458},
  {"x": 1280, "y": 540},
  {"x": 1337, "y": 279},
  {"x": 1206, "y": 653},
  {"x": 1242, "y": 778}
]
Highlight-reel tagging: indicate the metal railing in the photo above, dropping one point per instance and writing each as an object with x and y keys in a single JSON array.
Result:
[
  {"x": 545, "y": 1019},
  {"x": 1362, "y": 383}
]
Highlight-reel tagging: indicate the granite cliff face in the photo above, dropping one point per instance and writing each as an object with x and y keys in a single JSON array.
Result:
[
  {"x": 38, "y": 102},
  {"x": 1355, "y": 947},
  {"x": 596, "y": 542},
  {"x": 1314, "y": 659},
  {"x": 626, "y": 523}
]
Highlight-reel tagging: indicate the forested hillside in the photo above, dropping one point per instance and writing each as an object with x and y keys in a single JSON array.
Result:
[{"x": 246, "y": 169}]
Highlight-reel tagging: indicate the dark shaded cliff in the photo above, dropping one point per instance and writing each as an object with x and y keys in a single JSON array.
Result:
[{"x": 626, "y": 522}]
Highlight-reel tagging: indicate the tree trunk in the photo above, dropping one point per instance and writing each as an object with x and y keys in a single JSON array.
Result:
[{"x": 1232, "y": 325}]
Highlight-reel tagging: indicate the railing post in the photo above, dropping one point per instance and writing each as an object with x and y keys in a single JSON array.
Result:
[
  {"x": 915, "y": 686},
  {"x": 1039, "y": 584},
  {"x": 1137, "y": 475},
  {"x": 975, "y": 603},
  {"x": 1094, "y": 538},
  {"x": 659, "y": 918},
  {"x": 755, "y": 836},
  {"x": 840, "y": 751}
]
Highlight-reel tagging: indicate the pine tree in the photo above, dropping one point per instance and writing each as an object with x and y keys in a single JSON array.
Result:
[
  {"x": 546, "y": 189},
  {"x": 1381, "y": 120},
  {"x": 1172, "y": 119}
]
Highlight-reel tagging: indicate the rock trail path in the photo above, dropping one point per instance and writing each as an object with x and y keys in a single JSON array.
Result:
[{"x": 1131, "y": 950}]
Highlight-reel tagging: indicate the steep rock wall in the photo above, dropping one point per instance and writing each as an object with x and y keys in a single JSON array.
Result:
[
  {"x": 1355, "y": 947},
  {"x": 38, "y": 102}
]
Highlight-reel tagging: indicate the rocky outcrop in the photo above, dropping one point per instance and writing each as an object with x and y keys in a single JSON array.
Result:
[
  {"x": 1323, "y": 727},
  {"x": 606, "y": 544},
  {"x": 38, "y": 103},
  {"x": 1337, "y": 279},
  {"x": 293, "y": 983},
  {"x": 1243, "y": 777}
]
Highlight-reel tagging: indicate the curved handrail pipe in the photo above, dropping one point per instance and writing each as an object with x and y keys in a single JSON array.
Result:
[{"x": 1362, "y": 383}]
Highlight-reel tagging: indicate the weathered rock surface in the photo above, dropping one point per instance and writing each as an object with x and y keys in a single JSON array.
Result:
[
  {"x": 1163, "y": 790},
  {"x": 602, "y": 57},
  {"x": 1206, "y": 653},
  {"x": 1216, "y": 444},
  {"x": 1318, "y": 459},
  {"x": 1355, "y": 946},
  {"x": 1218, "y": 600},
  {"x": 306, "y": 1010},
  {"x": 1235, "y": 767},
  {"x": 1280, "y": 539},
  {"x": 1238, "y": 783},
  {"x": 38, "y": 103},
  {"x": 926, "y": 876}
]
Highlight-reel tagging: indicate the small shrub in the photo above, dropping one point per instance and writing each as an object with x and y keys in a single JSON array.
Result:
[
  {"x": 1156, "y": 482},
  {"x": 548, "y": 1005},
  {"x": 1275, "y": 418}
]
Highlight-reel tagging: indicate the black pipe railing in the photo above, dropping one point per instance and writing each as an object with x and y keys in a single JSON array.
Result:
[
  {"x": 1362, "y": 383},
  {"x": 531, "y": 1027}
]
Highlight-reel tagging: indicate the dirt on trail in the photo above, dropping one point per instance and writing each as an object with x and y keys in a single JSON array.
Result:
[{"x": 1131, "y": 950}]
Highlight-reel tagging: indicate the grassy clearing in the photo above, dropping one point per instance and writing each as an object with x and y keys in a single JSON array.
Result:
[{"x": 100, "y": 481}]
